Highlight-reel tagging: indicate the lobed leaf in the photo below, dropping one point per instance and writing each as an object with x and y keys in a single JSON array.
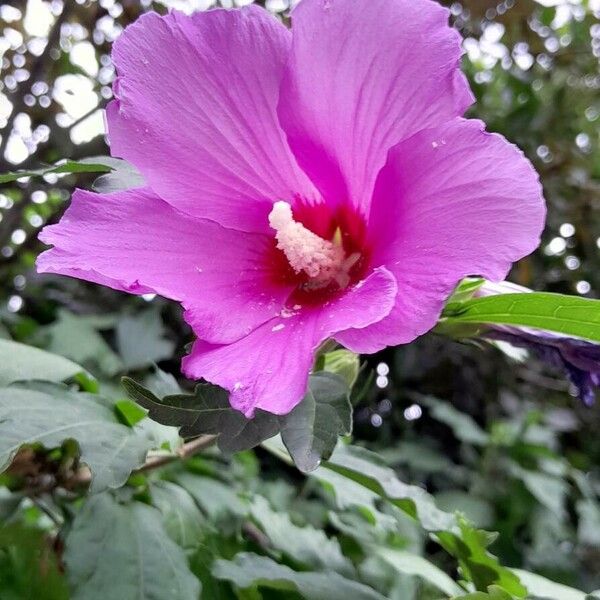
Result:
[{"x": 250, "y": 570}]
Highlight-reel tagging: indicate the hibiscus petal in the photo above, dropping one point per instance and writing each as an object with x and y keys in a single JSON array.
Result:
[
  {"x": 363, "y": 76},
  {"x": 451, "y": 202},
  {"x": 196, "y": 113},
  {"x": 135, "y": 242},
  {"x": 269, "y": 368}
]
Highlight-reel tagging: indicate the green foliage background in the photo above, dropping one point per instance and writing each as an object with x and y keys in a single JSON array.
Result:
[{"x": 503, "y": 442}]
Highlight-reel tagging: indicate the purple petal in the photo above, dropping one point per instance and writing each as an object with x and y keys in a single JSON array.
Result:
[
  {"x": 196, "y": 113},
  {"x": 363, "y": 76},
  {"x": 135, "y": 242},
  {"x": 451, "y": 202},
  {"x": 579, "y": 359},
  {"x": 269, "y": 368}
]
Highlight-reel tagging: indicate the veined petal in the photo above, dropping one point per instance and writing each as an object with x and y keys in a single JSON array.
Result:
[
  {"x": 196, "y": 113},
  {"x": 269, "y": 368},
  {"x": 364, "y": 75},
  {"x": 135, "y": 242},
  {"x": 451, "y": 202}
]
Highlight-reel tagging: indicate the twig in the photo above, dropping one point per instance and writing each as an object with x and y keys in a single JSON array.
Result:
[
  {"x": 83, "y": 476},
  {"x": 38, "y": 502},
  {"x": 186, "y": 451}
]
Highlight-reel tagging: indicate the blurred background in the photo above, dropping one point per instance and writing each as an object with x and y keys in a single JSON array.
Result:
[{"x": 500, "y": 437}]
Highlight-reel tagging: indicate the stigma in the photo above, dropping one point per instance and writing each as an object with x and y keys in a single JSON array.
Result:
[{"x": 323, "y": 261}]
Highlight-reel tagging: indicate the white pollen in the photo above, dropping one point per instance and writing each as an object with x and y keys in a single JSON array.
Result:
[
  {"x": 320, "y": 259},
  {"x": 278, "y": 327}
]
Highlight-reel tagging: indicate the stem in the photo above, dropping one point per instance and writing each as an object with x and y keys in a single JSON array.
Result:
[
  {"x": 83, "y": 476},
  {"x": 186, "y": 451}
]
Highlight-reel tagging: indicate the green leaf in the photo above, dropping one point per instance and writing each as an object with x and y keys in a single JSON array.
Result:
[
  {"x": 344, "y": 363},
  {"x": 368, "y": 470},
  {"x": 463, "y": 426},
  {"x": 588, "y": 530},
  {"x": 124, "y": 176},
  {"x": 93, "y": 164},
  {"x": 549, "y": 491},
  {"x": 250, "y": 570},
  {"x": 77, "y": 338},
  {"x": 569, "y": 315},
  {"x": 140, "y": 340},
  {"x": 493, "y": 593},
  {"x": 19, "y": 362},
  {"x": 206, "y": 411},
  {"x": 310, "y": 432},
  {"x": 29, "y": 567},
  {"x": 412, "y": 564},
  {"x": 217, "y": 499},
  {"x": 476, "y": 509},
  {"x": 123, "y": 551},
  {"x": 477, "y": 564},
  {"x": 540, "y": 587},
  {"x": 307, "y": 546},
  {"x": 49, "y": 414},
  {"x": 129, "y": 413},
  {"x": 182, "y": 518}
]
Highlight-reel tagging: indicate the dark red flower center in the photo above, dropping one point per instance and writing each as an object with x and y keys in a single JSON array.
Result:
[{"x": 318, "y": 249}]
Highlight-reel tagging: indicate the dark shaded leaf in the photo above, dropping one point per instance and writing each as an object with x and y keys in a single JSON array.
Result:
[
  {"x": 310, "y": 432},
  {"x": 206, "y": 411}
]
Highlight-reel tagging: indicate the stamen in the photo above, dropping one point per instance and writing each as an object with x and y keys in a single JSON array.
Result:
[{"x": 322, "y": 260}]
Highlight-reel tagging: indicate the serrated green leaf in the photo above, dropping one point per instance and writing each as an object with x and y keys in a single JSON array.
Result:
[
  {"x": 476, "y": 509},
  {"x": 540, "y": 587},
  {"x": 310, "y": 432},
  {"x": 141, "y": 341},
  {"x": 182, "y": 518},
  {"x": 463, "y": 426},
  {"x": 49, "y": 414},
  {"x": 218, "y": 500},
  {"x": 368, "y": 470},
  {"x": 123, "y": 551},
  {"x": 549, "y": 491},
  {"x": 569, "y": 315},
  {"x": 412, "y": 564},
  {"x": 78, "y": 338},
  {"x": 588, "y": 530},
  {"x": 19, "y": 362},
  {"x": 469, "y": 547},
  {"x": 307, "y": 546},
  {"x": 248, "y": 570}
]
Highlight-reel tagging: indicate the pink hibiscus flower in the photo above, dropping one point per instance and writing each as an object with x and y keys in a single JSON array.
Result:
[{"x": 301, "y": 185}]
